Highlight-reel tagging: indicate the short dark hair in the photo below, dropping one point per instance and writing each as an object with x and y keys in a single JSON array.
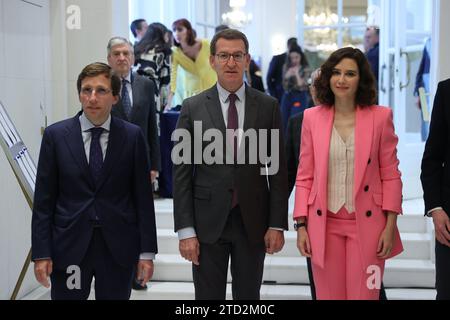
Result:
[
  {"x": 221, "y": 28},
  {"x": 374, "y": 28},
  {"x": 296, "y": 48},
  {"x": 228, "y": 34},
  {"x": 366, "y": 94},
  {"x": 291, "y": 42},
  {"x": 96, "y": 69},
  {"x": 191, "y": 34},
  {"x": 136, "y": 25}
]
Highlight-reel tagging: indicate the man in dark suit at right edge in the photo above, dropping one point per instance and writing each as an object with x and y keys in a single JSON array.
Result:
[{"x": 435, "y": 178}]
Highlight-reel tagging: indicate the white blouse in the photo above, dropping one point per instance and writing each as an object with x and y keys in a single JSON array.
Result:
[{"x": 341, "y": 172}]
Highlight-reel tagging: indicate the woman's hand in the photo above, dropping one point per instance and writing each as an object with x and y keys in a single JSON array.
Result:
[
  {"x": 386, "y": 242},
  {"x": 303, "y": 244}
]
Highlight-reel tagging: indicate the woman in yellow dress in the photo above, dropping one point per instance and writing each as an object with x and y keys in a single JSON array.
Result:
[{"x": 191, "y": 72}]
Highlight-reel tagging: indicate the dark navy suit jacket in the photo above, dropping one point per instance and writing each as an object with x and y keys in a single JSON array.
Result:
[{"x": 67, "y": 198}]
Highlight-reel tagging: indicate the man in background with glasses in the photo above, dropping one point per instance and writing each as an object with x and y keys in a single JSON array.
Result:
[
  {"x": 93, "y": 213},
  {"x": 222, "y": 210}
]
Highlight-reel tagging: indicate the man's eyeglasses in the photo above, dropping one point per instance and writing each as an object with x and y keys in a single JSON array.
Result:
[
  {"x": 225, "y": 57},
  {"x": 101, "y": 92}
]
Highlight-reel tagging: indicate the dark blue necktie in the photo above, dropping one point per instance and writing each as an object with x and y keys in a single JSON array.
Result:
[
  {"x": 233, "y": 124},
  {"x": 126, "y": 101},
  {"x": 95, "y": 153}
]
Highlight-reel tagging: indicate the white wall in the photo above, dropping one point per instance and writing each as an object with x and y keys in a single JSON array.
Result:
[
  {"x": 164, "y": 11},
  {"x": 442, "y": 46},
  {"x": 40, "y": 60},
  {"x": 24, "y": 87},
  {"x": 271, "y": 20}
]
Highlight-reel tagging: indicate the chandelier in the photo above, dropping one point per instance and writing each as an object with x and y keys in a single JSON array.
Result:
[
  {"x": 237, "y": 18},
  {"x": 319, "y": 22}
]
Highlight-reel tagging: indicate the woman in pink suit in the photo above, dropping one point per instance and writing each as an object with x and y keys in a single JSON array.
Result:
[{"x": 348, "y": 186}]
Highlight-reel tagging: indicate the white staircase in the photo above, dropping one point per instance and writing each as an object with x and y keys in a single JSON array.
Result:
[
  {"x": 407, "y": 276},
  {"x": 285, "y": 274}
]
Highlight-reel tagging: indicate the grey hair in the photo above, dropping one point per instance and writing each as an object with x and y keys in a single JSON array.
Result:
[{"x": 115, "y": 41}]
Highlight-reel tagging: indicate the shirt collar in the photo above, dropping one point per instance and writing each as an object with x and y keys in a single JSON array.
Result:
[
  {"x": 223, "y": 93},
  {"x": 87, "y": 125},
  {"x": 128, "y": 77}
]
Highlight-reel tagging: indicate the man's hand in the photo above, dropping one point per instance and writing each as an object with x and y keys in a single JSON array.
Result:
[
  {"x": 442, "y": 227},
  {"x": 153, "y": 175},
  {"x": 418, "y": 105},
  {"x": 190, "y": 250},
  {"x": 42, "y": 271},
  {"x": 144, "y": 271},
  {"x": 274, "y": 240}
]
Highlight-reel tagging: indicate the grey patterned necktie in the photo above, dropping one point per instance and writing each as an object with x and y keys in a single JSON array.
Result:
[{"x": 126, "y": 101}]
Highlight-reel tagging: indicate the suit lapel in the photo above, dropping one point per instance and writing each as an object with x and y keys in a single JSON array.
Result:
[
  {"x": 215, "y": 110},
  {"x": 74, "y": 141},
  {"x": 118, "y": 110},
  {"x": 251, "y": 110},
  {"x": 135, "y": 85},
  {"x": 115, "y": 147},
  {"x": 322, "y": 140},
  {"x": 363, "y": 144}
]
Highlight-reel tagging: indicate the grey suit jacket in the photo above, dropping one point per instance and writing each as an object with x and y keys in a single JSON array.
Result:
[
  {"x": 203, "y": 193},
  {"x": 143, "y": 114}
]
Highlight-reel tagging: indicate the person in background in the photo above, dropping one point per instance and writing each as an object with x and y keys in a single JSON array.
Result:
[
  {"x": 423, "y": 81},
  {"x": 293, "y": 141},
  {"x": 275, "y": 73},
  {"x": 255, "y": 75},
  {"x": 191, "y": 55},
  {"x": 372, "y": 48},
  {"x": 348, "y": 186},
  {"x": 138, "y": 29},
  {"x": 137, "y": 99},
  {"x": 296, "y": 96},
  {"x": 153, "y": 61},
  {"x": 435, "y": 179}
]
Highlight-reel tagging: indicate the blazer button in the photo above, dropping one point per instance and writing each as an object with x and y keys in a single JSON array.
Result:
[
  {"x": 370, "y": 160},
  {"x": 319, "y": 213},
  {"x": 366, "y": 189},
  {"x": 369, "y": 214}
]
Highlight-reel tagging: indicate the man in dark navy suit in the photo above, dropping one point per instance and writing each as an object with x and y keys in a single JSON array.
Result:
[
  {"x": 93, "y": 213},
  {"x": 275, "y": 72},
  {"x": 435, "y": 178}
]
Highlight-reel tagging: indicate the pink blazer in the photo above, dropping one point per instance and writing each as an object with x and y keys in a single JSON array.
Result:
[{"x": 377, "y": 185}]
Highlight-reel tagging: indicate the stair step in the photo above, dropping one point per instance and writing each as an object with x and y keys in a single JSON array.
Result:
[
  {"x": 185, "y": 291},
  {"x": 289, "y": 270},
  {"x": 412, "y": 221},
  {"x": 416, "y": 245}
]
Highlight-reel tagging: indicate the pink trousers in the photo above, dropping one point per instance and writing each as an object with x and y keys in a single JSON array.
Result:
[{"x": 344, "y": 276}]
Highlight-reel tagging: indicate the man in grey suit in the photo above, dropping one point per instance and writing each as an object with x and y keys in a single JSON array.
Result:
[
  {"x": 136, "y": 105},
  {"x": 229, "y": 209},
  {"x": 137, "y": 99}
]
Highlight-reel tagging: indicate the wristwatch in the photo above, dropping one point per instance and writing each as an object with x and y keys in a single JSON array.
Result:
[{"x": 298, "y": 225}]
